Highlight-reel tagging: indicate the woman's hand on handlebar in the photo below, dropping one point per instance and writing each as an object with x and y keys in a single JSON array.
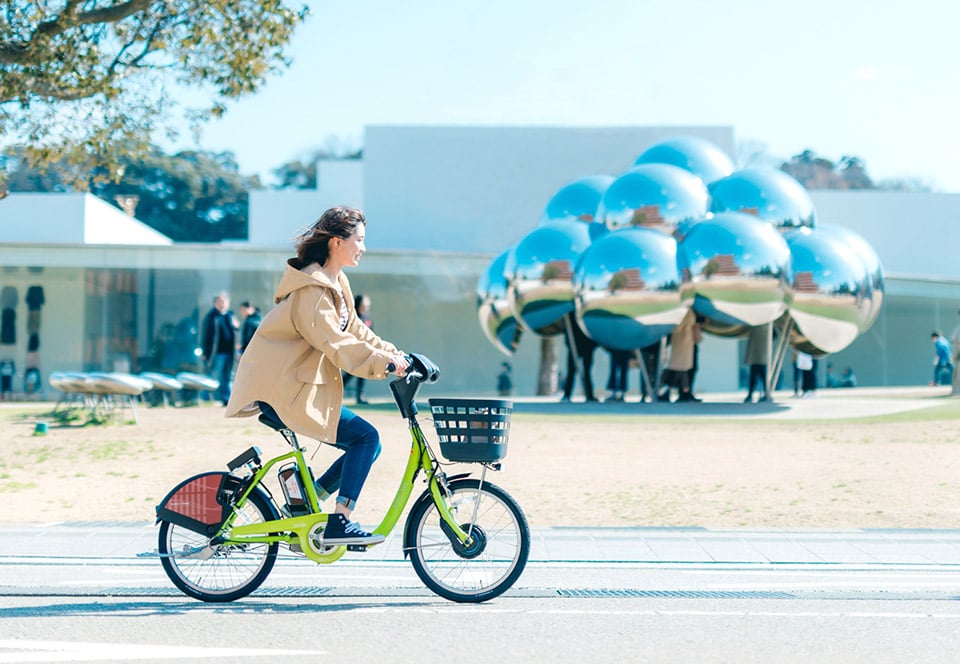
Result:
[{"x": 399, "y": 364}]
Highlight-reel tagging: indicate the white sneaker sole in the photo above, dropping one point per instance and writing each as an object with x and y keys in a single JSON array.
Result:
[{"x": 348, "y": 541}]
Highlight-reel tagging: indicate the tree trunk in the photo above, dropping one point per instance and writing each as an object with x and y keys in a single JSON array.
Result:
[{"x": 547, "y": 381}]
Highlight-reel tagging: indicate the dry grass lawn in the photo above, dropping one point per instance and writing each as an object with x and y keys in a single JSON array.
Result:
[{"x": 565, "y": 469}]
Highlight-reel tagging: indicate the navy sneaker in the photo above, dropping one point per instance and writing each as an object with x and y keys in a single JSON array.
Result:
[{"x": 342, "y": 531}]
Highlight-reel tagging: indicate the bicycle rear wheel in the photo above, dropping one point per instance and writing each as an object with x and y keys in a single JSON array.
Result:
[
  {"x": 490, "y": 563},
  {"x": 220, "y": 573}
]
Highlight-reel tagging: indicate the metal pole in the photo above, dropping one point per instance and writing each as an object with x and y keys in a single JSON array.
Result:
[
  {"x": 572, "y": 350},
  {"x": 781, "y": 353}
]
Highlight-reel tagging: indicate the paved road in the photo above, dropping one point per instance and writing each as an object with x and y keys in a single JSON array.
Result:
[{"x": 80, "y": 592}]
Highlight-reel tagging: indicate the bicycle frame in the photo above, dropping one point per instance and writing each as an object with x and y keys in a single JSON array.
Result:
[{"x": 298, "y": 529}]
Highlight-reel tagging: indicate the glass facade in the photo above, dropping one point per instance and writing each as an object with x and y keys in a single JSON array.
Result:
[{"x": 138, "y": 309}]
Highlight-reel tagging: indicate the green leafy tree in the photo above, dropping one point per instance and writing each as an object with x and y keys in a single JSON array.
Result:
[
  {"x": 93, "y": 81},
  {"x": 190, "y": 196},
  {"x": 815, "y": 172}
]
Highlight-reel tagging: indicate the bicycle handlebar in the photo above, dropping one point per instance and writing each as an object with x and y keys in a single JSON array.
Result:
[
  {"x": 421, "y": 369},
  {"x": 404, "y": 389}
]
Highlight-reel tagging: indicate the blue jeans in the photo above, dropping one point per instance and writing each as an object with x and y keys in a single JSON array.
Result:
[
  {"x": 360, "y": 443},
  {"x": 222, "y": 370},
  {"x": 942, "y": 373}
]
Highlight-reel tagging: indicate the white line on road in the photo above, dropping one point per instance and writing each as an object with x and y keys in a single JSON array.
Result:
[{"x": 66, "y": 651}]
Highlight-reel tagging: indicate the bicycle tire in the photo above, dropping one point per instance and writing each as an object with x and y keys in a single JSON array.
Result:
[
  {"x": 478, "y": 572},
  {"x": 232, "y": 571}
]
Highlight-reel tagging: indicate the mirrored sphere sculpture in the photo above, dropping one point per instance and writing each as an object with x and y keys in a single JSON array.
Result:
[
  {"x": 767, "y": 193},
  {"x": 831, "y": 297},
  {"x": 691, "y": 153},
  {"x": 657, "y": 196},
  {"x": 577, "y": 201},
  {"x": 628, "y": 289},
  {"x": 497, "y": 321},
  {"x": 871, "y": 262},
  {"x": 734, "y": 271},
  {"x": 539, "y": 273}
]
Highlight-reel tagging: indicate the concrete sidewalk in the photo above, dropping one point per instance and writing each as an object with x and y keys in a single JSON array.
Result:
[
  {"x": 827, "y": 404},
  {"x": 562, "y": 545}
]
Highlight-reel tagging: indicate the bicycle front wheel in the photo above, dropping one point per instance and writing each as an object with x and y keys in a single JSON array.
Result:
[
  {"x": 490, "y": 562},
  {"x": 218, "y": 573}
]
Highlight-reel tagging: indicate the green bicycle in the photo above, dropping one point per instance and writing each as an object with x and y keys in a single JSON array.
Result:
[{"x": 467, "y": 539}]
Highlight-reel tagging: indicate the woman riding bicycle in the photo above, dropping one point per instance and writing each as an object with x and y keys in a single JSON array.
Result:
[{"x": 294, "y": 361}]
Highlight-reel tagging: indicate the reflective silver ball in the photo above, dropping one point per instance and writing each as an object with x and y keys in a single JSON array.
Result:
[
  {"x": 628, "y": 289},
  {"x": 539, "y": 273},
  {"x": 576, "y": 201},
  {"x": 497, "y": 321},
  {"x": 871, "y": 262},
  {"x": 767, "y": 193},
  {"x": 657, "y": 196},
  {"x": 691, "y": 153},
  {"x": 830, "y": 298},
  {"x": 735, "y": 271}
]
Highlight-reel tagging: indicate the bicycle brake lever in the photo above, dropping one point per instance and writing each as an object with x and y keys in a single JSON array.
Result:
[{"x": 411, "y": 375}]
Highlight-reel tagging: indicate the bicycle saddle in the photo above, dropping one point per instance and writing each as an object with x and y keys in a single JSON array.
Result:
[{"x": 269, "y": 417}]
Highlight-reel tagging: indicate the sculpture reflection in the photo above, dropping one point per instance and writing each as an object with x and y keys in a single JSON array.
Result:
[
  {"x": 768, "y": 193},
  {"x": 577, "y": 201},
  {"x": 691, "y": 153},
  {"x": 734, "y": 270},
  {"x": 628, "y": 289},
  {"x": 830, "y": 295},
  {"x": 871, "y": 262},
  {"x": 657, "y": 196},
  {"x": 539, "y": 273},
  {"x": 497, "y": 320}
]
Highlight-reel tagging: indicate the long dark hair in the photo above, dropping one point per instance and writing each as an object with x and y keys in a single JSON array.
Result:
[{"x": 314, "y": 245}]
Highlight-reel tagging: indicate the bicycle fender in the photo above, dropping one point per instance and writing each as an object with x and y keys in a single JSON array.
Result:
[
  {"x": 197, "y": 503},
  {"x": 424, "y": 497}
]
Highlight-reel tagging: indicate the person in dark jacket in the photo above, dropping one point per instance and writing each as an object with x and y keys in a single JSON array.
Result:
[
  {"x": 584, "y": 348},
  {"x": 218, "y": 344},
  {"x": 251, "y": 321}
]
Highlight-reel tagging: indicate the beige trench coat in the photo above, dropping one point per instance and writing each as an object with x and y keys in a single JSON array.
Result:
[
  {"x": 295, "y": 357},
  {"x": 684, "y": 337}
]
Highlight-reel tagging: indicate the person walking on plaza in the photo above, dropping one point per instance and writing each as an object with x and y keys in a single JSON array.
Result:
[
  {"x": 218, "y": 344},
  {"x": 584, "y": 348},
  {"x": 955, "y": 347},
  {"x": 251, "y": 321},
  {"x": 683, "y": 338},
  {"x": 942, "y": 361},
  {"x": 756, "y": 357},
  {"x": 292, "y": 367},
  {"x": 619, "y": 370},
  {"x": 505, "y": 380},
  {"x": 649, "y": 365},
  {"x": 806, "y": 369}
]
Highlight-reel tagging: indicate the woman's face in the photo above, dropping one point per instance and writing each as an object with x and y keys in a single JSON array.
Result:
[{"x": 348, "y": 251}]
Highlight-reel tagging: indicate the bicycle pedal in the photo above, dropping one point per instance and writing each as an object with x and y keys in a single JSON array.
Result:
[{"x": 357, "y": 547}]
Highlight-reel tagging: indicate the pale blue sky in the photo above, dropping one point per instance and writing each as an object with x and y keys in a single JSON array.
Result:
[{"x": 874, "y": 79}]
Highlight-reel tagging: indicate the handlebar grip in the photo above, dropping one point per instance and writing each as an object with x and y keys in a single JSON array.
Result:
[{"x": 391, "y": 367}]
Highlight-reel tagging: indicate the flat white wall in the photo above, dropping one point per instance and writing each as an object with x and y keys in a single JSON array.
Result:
[
  {"x": 49, "y": 218},
  {"x": 278, "y": 217},
  {"x": 481, "y": 189},
  {"x": 105, "y": 224},
  {"x": 342, "y": 181},
  {"x": 73, "y": 218},
  {"x": 913, "y": 233}
]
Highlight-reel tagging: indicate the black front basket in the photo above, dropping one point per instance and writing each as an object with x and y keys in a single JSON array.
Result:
[{"x": 472, "y": 430}]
